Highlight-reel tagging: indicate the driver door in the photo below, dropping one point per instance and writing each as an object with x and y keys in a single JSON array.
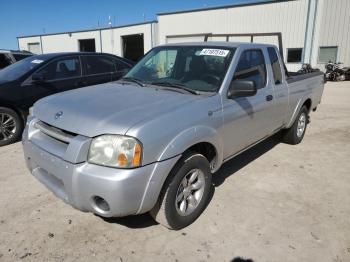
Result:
[{"x": 248, "y": 119}]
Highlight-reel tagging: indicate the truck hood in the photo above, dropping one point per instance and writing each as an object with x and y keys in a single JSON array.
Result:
[{"x": 110, "y": 108}]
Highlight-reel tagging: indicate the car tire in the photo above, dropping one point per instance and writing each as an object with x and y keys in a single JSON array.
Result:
[
  {"x": 295, "y": 134},
  {"x": 11, "y": 126},
  {"x": 185, "y": 194}
]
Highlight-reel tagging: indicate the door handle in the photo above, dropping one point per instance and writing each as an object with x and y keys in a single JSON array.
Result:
[{"x": 269, "y": 97}]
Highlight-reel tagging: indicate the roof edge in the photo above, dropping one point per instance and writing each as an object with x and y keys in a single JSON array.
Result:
[
  {"x": 224, "y": 7},
  {"x": 89, "y": 30}
]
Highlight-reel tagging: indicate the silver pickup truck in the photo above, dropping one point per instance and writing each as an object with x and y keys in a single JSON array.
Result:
[{"x": 151, "y": 141}]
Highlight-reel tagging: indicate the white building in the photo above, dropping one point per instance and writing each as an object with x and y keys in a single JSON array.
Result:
[{"x": 312, "y": 31}]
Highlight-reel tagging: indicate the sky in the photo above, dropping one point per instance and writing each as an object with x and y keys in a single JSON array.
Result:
[{"x": 25, "y": 17}]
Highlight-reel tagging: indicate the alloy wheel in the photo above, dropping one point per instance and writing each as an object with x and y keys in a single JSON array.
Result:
[
  {"x": 301, "y": 125},
  {"x": 7, "y": 126},
  {"x": 190, "y": 192}
]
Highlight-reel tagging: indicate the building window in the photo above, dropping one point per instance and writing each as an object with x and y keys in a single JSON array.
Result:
[
  {"x": 87, "y": 45},
  {"x": 328, "y": 53},
  {"x": 294, "y": 55}
]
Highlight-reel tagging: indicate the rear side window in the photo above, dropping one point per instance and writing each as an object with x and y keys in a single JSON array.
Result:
[
  {"x": 251, "y": 66},
  {"x": 275, "y": 65},
  {"x": 3, "y": 61},
  {"x": 62, "y": 68},
  {"x": 98, "y": 65},
  {"x": 19, "y": 57},
  {"x": 120, "y": 65}
]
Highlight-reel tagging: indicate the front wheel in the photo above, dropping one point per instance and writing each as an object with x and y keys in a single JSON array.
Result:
[
  {"x": 11, "y": 126},
  {"x": 295, "y": 134},
  {"x": 185, "y": 193}
]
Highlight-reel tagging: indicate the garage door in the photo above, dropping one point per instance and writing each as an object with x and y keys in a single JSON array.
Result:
[{"x": 34, "y": 48}]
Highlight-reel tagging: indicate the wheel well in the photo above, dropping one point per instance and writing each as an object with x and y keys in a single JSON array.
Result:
[
  {"x": 307, "y": 103},
  {"x": 207, "y": 150}
]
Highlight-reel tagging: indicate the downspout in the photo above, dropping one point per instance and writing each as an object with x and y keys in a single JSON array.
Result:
[
  {"x": 41, "y": 45},
  {"x": 100, "y": 41},
  {"x": 310, "y": 30},
  {"x": 152, "y": 35}
]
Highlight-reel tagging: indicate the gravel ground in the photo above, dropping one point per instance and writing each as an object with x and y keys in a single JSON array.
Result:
[{"x": 275, "y": 202}]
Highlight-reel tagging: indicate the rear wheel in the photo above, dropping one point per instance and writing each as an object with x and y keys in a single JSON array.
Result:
[
  {"x": 11, "y": 126},
  {"x": 185, "y": 193},
  {"x": 295, "y": 134}
]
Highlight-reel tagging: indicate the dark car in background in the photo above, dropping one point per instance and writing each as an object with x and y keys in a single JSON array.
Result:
[
  {"x": 35, "y": 77},
  {"x": 9, "y": 57}
]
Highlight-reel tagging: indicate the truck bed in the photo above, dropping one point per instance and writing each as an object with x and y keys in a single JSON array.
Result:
[{"x": 294, "y": 76}]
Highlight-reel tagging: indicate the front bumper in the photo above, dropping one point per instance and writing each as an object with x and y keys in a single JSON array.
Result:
[{"x": 127, "y": 191}]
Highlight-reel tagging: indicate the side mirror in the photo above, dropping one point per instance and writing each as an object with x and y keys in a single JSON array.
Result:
[
  {"x": 241, "y": 88},
  {"x": 38, "y": 78}
]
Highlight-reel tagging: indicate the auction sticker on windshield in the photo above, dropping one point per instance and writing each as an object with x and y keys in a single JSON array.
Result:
[
  {"x": 37, "y": 61},
  {"x": 215, "y": 52}
]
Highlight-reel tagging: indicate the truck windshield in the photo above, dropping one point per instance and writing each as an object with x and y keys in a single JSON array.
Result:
[
  {"x": 19, "y": 68},
  {"x": 196, "y": 68}
]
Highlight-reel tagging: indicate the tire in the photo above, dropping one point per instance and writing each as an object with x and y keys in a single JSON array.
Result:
[
  {"x": 295, "y": 134},
  {"x": 11, "y": 126},
  {"x": 191, "y": 203}
]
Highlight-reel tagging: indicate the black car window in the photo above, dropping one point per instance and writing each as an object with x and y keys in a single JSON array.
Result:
[
  {"x": 20, "y": 68},
  {"x": 251, "y": 66},
  {"x": 275, "y": 65},
  {"x": 120, "y": 65},
  {"x": 3, "y": 61},
  {"x": 62, "y": 68},
  {"x": 19, "y": 57},
  {"x": 98, "y": 65}
]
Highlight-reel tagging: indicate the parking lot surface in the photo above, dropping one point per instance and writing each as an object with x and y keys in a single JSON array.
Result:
[{"x": 275, "y": 202}]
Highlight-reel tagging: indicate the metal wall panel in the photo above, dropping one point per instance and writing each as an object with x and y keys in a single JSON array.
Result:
[
  {"x": 112, "y": 38},
  {"x": 23, "y": 42},
  {"x": 334, "y": 30},
  {"x": 286, "y": 17},
  {"x": 109, "y": 40}
]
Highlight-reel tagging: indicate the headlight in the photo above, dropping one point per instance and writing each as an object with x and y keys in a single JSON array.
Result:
[{"x": 115, "y": 151}]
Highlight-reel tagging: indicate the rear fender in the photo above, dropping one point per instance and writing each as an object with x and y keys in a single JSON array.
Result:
[{"x": 297, "y": 109}]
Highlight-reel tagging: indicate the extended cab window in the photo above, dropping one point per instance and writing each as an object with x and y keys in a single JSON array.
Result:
[
  {"x": 98, "y": 65},
  {"x": 275, "y": 65},
  {"x": 61, "y": 69},
  {"x": 251, "y": 66}
]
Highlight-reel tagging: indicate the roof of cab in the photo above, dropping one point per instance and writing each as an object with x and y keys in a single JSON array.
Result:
[{"x": 220, "y": 44}]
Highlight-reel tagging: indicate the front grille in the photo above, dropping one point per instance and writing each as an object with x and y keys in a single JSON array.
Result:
[{"x": 53, "y": 132}]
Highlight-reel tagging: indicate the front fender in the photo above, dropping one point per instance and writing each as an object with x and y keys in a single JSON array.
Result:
[
  {"x": 172, "y": 153},
  {"x": 189, "y": 137}
]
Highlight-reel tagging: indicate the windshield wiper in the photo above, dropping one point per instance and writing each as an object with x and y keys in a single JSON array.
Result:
[
  {"x": 173, "y": 85},
  {"x": 134, "y": 80}
]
